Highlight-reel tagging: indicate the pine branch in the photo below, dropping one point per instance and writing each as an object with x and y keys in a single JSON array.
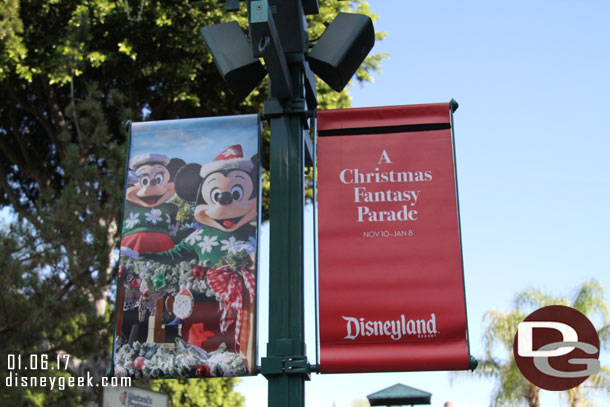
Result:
[{"x": 15, "y": 201}]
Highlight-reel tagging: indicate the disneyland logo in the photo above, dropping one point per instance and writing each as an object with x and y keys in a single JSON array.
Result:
[{"x": 394, "y": 329}]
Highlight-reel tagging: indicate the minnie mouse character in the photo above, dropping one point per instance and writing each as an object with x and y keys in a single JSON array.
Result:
[
  {"x": 149, "y": 226},
  {"x": 150, "y": 219}
]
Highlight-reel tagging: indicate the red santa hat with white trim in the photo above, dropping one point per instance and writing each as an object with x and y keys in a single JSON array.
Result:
[{"x": 232, "y": 158}]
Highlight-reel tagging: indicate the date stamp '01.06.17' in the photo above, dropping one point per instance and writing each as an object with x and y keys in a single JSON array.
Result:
[{"x": 39, "y": 370}]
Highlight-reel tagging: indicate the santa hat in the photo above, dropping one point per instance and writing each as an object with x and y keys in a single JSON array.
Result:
[
  {"x": 232, "y": 158},
  {"x": 150, "y": 158},
  {"x": 185, "y": 292}
]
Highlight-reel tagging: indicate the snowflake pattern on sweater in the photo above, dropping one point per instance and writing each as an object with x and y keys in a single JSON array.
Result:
[
  {"x": 158, "y": 219},
  {"x": 208, "y": 244}
]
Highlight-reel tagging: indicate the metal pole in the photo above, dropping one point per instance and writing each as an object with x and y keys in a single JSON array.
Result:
[
  {"x": 278, "y": 33},
  {"x": 286, "y": 366}
]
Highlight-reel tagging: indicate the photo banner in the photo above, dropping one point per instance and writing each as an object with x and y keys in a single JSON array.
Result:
[
  {"x": 391, "y": 286},
  {"x": 187, "y": 284}
]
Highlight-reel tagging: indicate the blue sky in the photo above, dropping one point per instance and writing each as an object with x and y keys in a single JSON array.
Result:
[
  {"x": 532, "y": 144},
  {"x": 198, "y": 140}
]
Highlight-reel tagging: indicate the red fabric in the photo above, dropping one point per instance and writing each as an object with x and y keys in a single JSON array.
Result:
[
  {"x": 197, "y": 334},
  {"x": 244, "y": 336},
  {"x": 230, "y": 153},
  {"x": 401, "y": 357},
  {"x": 233, "y": 287},
  {"x": 148, "y": 242},
  {"x": 383, "y": 116},
  {"x": 391, "y": 287},
  {"x": 207, "y": 316}
]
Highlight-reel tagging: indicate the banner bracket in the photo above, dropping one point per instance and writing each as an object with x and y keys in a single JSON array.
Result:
[
  {"x": 277, "y": 365},
  {"x": 453, "y": 105},
  {"x": 274, "y": 108},
  {"x": 298, "y": 365},
  {"x": 272, "y": 365},
  {"x": 472, "y": 363}
]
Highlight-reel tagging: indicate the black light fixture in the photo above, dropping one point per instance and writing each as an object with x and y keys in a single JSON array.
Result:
[
  {"x": 342, "y": 48},
  {"x": 233, "y": 57}
]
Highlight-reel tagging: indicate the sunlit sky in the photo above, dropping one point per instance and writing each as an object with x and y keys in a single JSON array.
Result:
[
  {"x": 199, "y": 140},
  {"x": 532, "y": 146}
]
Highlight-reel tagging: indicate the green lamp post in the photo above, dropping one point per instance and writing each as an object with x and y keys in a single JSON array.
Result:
[{"x": 278, "y": 34}]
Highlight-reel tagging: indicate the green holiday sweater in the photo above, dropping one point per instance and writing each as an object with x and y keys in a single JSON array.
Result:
[
  {"x": 207, "y": 243},
  {"x": 158, "y": 219}
]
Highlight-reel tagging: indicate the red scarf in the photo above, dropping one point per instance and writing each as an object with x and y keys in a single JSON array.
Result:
[{"x": 230, "y": 286}]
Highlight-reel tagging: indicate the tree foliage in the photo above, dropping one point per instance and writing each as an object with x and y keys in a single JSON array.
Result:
[
  {"x": 72, "y": 72},
  {"x": 498, "y": 363},
  {"x": 193, "y": 393}
]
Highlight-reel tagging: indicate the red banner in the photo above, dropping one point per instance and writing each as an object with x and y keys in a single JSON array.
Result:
[{"x": 391, "y": 287}]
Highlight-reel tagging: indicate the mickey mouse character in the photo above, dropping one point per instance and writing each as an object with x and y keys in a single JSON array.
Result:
[
  {"x": 226, "y": 198},
  {"x": 225, "y": 192},
  {"x": 150, "y": 219}
]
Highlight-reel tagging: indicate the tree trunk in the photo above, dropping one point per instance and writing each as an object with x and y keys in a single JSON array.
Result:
[
  {"x": 533, "y": 396},
  {"x": 97, "y": 364}
]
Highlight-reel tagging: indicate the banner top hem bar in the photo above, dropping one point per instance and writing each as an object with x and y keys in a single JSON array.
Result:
[{"x": 405, "y": 115}]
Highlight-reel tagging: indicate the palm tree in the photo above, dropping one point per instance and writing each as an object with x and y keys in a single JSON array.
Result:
[
  {"x": 500, "y": 327},
  {"x": 511, "y": 386}
]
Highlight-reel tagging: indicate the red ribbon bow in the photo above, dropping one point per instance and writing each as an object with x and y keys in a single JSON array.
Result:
[{"x": 229, "y": 285}]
